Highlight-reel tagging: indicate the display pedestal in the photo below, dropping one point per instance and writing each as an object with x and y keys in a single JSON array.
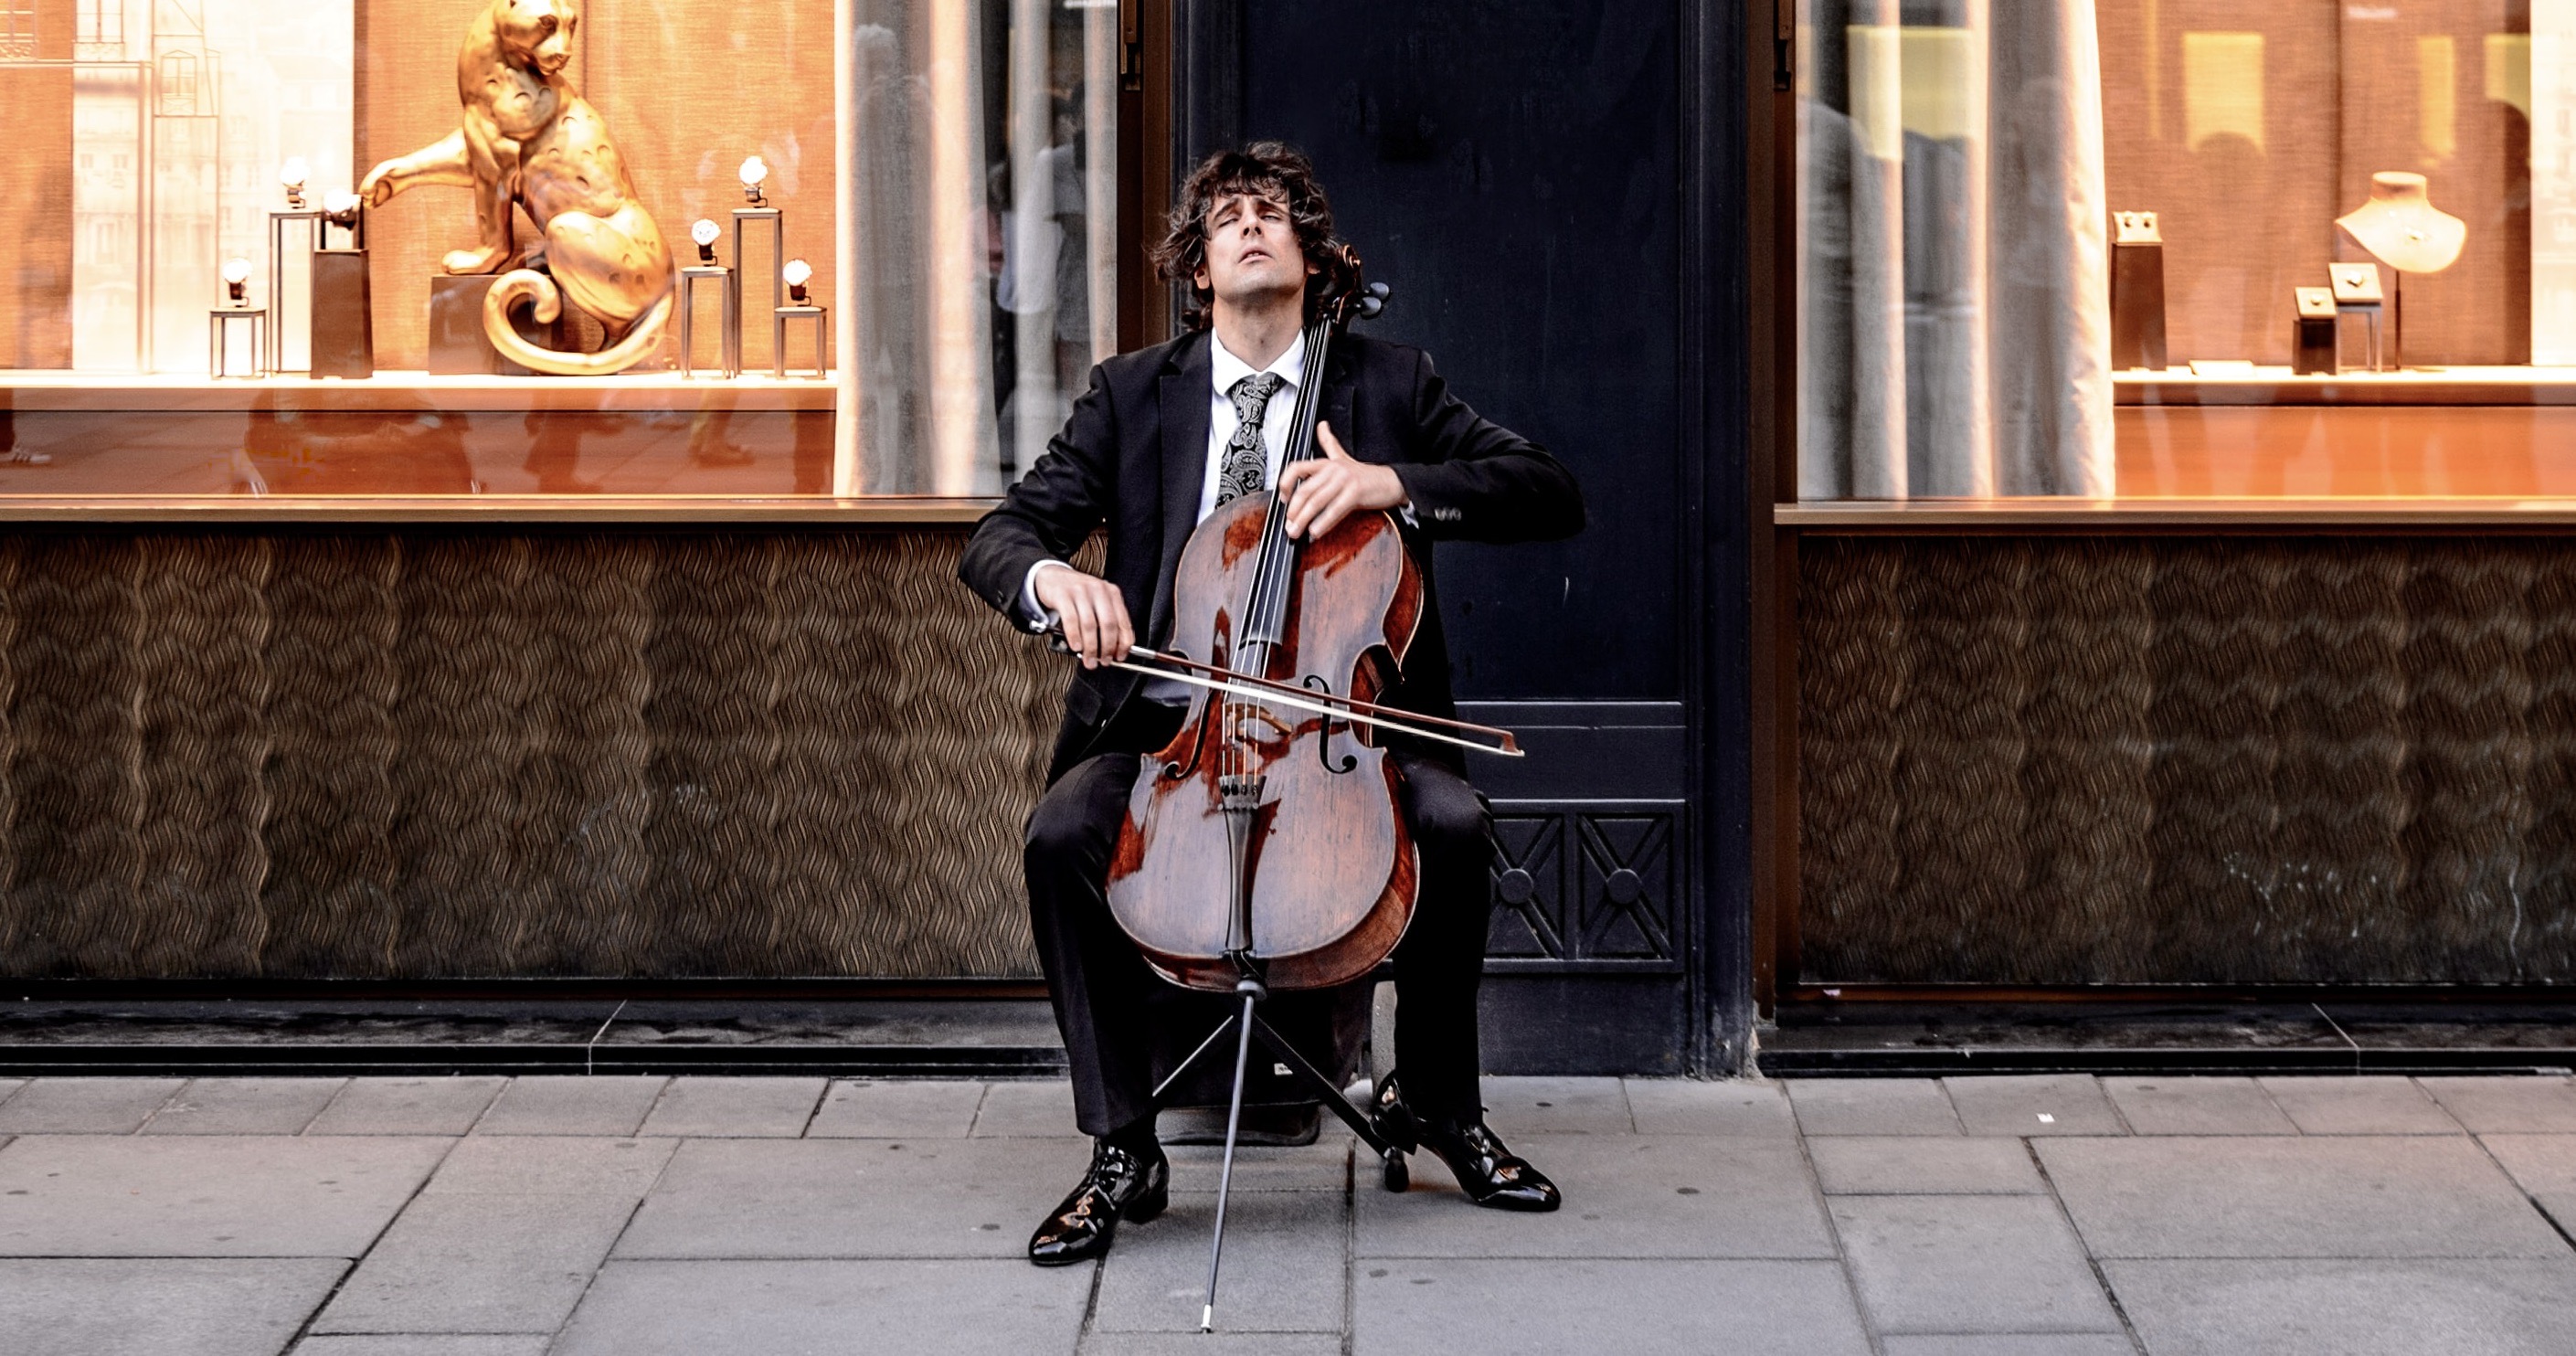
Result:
[
  {"x": 457, "y": 344},
  {"x": 2137, "y": 293},
  {"x": 219, "y": 328},
  {"x": 778, "y": 341},
  {"x": 728, "y": 318},
  {"x": 342, "y": 318}
]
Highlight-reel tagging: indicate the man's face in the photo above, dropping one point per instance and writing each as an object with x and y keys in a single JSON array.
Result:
[{"x": 1252, "y": 252}]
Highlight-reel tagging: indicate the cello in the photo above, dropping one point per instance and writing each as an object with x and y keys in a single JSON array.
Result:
[{"x": 1265, "y": 847}]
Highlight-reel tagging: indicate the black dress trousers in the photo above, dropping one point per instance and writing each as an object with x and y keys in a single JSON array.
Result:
[{"x": 1111, "y": 1007}]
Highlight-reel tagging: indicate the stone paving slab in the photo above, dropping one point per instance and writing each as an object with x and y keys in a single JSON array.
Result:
[
  {"x": 2034, "y": 1104},
  {"x": 1286, "y": 1263},
  {"x": 2536, "y": 1104},
  {"x": 828, "y": 1308},
  {"x": 1032, "y": 1108},
  {"x": 1923, "y": 1165},
  {"x": 1213, "y": 1344},
  {"x": 1969, "y": 1264},
  {"x": 423, "y": 1344},
  {"x": 2358, "y": 1212},
  {"x": 2010, "y": 1344},
  {"x": 1556, "y": 1106},
  {"x": 2326, "y": 1307},
  {"x": 407, "y": 1106},
  {"x": 2306, "y": 1197},
  {"x": 10, "y": 1086},
  {"x": 244, "y": 1106},
  {"x": 477, "y": 1263},
  {"x": 2359, "y": 1105},
  {"x": 547, "y": 1166},
  {"x": 161, "y": 1306},
  {"x": 766, "y": 1108},
  {"x": 860, "y": 1198},
  {"x": 2544, "y": 1166},
  {"x": 1684, "y": 1106},
  {"x": 1625, "y": 1196},
  {"x": 1324, "y": 1165},
  {"x": 84, "y": 1106},
  {"x": 1636, "y": 1308},
  {"x": 205, "y": 1196},
  {"x": 1872, "y": 1106},
  {"x": 608, "y": 1104},
  {"x": 2197, "y": 1106},
  {"x": 930, "y": 1108}
]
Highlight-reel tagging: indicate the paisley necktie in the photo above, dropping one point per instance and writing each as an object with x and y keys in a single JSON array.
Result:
[{"x": 1244, "y": 468}]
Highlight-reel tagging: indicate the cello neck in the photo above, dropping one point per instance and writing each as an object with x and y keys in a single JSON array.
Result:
[{"x": 1265, "y": 614}]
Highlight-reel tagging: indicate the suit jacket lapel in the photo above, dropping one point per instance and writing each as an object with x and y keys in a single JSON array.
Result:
[
  {"x": 1336, "y": 403},
  {"x": 1185, "y": 398}
]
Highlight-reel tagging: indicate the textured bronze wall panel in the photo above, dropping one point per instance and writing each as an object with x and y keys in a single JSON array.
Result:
[
  {"x": 424, "y": 754},
  {"x": 2226, "y": 760}
]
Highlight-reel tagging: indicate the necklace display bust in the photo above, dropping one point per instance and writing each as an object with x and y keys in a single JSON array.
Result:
[{"x": 2402, "y": 228}]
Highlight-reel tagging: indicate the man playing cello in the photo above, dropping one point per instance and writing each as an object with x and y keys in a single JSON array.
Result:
[{"x": 1157, "y": 442}]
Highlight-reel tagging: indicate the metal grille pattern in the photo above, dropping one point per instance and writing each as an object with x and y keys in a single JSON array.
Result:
[
  {"x": 2232, "y": 760},
  {"x": 420, "y": 755}
]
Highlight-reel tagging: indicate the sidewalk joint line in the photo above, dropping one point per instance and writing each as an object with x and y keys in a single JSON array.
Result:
[
  {"x": 2092, "y": 1263},
  {"x": 350, "y": 1272},
  {"x": 2516, "y": 1183}
]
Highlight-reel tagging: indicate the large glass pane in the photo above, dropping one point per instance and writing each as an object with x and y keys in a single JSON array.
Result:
[
  {"x": 797, "y": 253},
  {"x": 2186, "y": 247}
]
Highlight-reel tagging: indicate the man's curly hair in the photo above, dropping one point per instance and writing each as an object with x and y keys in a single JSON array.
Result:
[{"x": 1271, "y": 169}]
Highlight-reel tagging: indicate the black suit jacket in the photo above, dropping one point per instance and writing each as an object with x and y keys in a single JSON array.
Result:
[{"x": 1134, "y": 453}]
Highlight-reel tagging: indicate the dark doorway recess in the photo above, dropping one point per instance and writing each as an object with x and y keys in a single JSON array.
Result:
[{"x": 1535, "y": 182}]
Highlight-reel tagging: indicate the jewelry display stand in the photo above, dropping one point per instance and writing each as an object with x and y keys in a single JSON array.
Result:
[
  {"x": 2313, "y": 351},
  {"x": 316, "y": 224},
  {"x": 340, "y": 318},
  {"x": 2355, "y": 292},
  {"x": 219, "y": 329},
  {"x": 728, "y": 311},
  {"x": 2137, "y": 293},
  {"x": 777, "y": 220},
  {"x": 2402, "y": 228},
  {"x": 778, "y": 340}
]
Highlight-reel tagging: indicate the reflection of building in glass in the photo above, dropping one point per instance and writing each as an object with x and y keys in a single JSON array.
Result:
[{"x": 180, "y": 112}]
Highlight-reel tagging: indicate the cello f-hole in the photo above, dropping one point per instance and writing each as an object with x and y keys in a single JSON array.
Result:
[{"x": 1324, "y": 732}]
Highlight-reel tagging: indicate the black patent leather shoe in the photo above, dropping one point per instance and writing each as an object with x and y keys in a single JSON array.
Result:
[
  {"x": 1121, "y": 1184},
  {"x": 1492, "y": 1175}
]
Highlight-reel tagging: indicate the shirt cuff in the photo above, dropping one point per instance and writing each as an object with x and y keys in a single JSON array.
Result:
[{"x": 1034, "y": 617}]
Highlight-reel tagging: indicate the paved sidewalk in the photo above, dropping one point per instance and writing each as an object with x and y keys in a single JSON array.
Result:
[{"x": 611, "y": 1216}]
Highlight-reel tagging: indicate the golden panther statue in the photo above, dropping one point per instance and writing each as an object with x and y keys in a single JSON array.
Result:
[{"x": 530, "y": 138}]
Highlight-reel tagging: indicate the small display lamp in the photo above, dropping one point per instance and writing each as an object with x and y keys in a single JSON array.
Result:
[
  {"x": 291, "y": 177},
  {"x": 704, "y": 232},
  {"x": 341, "y": 206},
  {"x": 798, "y": 273},
  {"x": 237, "y": 280},
  {"x": 755, "y": 172}
]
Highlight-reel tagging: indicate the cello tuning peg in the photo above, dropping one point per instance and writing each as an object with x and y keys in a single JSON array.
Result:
[
  {"x": 1378, "y": 290},
  {"x": 1369, "y": 307}
]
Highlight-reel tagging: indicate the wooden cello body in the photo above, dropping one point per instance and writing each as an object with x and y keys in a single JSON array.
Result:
[
  {"x": 1269, "y": 842},
  {"x": 1333, "y": 867}
]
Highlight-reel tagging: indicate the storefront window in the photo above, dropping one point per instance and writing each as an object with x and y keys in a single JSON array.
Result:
[
  {"x": 2143, "y": 248},
  {"x": 254, "y": 245}
]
